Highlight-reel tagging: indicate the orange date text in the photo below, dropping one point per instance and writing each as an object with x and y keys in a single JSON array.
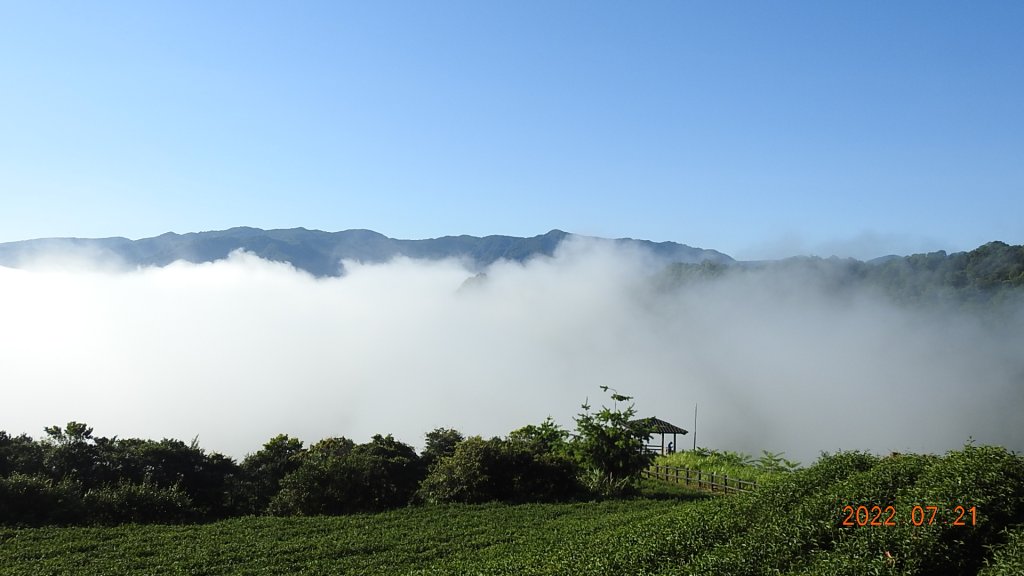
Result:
[{"x": 922, "y": 515}]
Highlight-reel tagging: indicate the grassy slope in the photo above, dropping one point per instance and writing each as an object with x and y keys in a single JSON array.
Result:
[
  {"x": 792, "y": 525},
  {"x": 717, "y": 463},
  {"x": 540, "y": 538}
]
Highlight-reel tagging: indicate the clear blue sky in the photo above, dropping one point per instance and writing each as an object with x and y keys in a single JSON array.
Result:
[{"x": 756, "y": 128}]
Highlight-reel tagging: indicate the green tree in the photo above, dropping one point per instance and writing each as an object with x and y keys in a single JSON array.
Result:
[
  {"x": 318, "y": 484},
  {"x": 336, "y": 476},
  {"x": 70, "y": 452},
  {"x": 264, "y": 469},
  {"x": 531, "y": 465},
  {"x": 20, "y": 454},
  {"x": 441, "y": 442},
  {"x": 545, "y": 438},
  {"x": 388, "y": 472},
  {"x": 609, "y": 445},
  {"x": 471, "y": 474}
]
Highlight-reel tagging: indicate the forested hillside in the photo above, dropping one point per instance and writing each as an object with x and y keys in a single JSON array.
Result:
[
  {"x": 317, "y": 252},
  {"x": 989, "y": 275}
]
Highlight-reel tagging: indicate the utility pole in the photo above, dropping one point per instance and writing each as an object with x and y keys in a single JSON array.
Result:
[{"x": 694, "y": 426}]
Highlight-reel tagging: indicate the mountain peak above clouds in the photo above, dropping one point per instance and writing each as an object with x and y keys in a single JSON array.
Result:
[{"x": 320, "y": 253}]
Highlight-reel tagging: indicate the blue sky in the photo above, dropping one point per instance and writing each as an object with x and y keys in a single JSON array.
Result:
[{"x": 762, "y": 129}]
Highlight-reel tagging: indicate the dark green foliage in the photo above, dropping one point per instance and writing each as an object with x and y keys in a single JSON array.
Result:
[
  {"x": 38, "y": 501},
  {"x": 792, "y": 525},
  {"x": 72, "y": 453},
  {"x": 538, "y": 476},
  {"x": 20, "y": 454},
  {"x": 391, "y": 472},
  {"x": 470, "y": 475},
  {"x": 335, "y": 476},
  {"x": 541, "y": 463},
  {"x": 210, "y": 480},
  {"x": 545, "y": 438},
  {"x": 988, "y": 478},
  {"x": 71, "y": 459},
  {"x": 440, "y": 442},
  {"x": 1008, "y": 559},
  {"x": 318, "y": 484},
  {"x": 264, "y": 470},
  {"x": 609, "y": 445},
  {"x": 519, "y": 469},
  {"x": 140, "y": 503}
]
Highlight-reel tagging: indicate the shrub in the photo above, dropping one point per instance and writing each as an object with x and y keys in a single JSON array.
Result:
[
  {"x": 264, "y": 470},
  {"x": 20, "y": 454},
  {"x": 140, "y": 503},
  {"x": 389, "y": 472},
  {"x": 467, "y": 476},
  {"x": 508, "y": 470},
  {"x": 1008, "y": 559},
  {"x": 36, "y": 501},
  {"x": 337, "y": 477}
]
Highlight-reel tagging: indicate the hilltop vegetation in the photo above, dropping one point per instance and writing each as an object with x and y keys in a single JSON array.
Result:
[
  {"x": 985, "y": 277},
  {"x": 794, "y": 524},
  {"x": 455, "y": 508},
  {"x": 72, "y": 477},
  {"x": 321, "y": 253}
]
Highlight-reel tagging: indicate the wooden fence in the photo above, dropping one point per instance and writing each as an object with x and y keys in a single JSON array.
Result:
[{"x": 699, "y": 479}]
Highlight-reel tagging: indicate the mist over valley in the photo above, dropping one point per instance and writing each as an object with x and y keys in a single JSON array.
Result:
[{"x": 238, "y": 336}]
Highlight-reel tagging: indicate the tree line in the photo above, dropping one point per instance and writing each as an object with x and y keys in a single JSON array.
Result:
[
  {"x": 70, "y": 476},
  {"x": 982, "y": 279}
]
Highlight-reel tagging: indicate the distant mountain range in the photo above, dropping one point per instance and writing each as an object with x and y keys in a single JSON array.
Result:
[
  {"x": 320, "y": 253},
  {"x": 984, "y": 277}
]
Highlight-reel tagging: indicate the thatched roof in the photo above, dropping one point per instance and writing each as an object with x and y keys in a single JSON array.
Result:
[{"x": 659, "y": 426}]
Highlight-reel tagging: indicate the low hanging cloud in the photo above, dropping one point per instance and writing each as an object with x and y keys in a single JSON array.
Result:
[{"x": 242, "y": 349}]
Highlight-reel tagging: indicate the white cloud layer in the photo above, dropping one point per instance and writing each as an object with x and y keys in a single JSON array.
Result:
[{"x": 240, "y": 350}]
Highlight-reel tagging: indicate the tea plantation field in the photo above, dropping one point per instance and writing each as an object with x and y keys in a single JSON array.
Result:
[{"x": 850, "y": 513}]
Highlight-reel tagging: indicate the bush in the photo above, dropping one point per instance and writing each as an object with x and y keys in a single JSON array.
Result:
[
  {"x": 389, "y": 471},
  {"x": 986, "y": 477},
  {"x": 20, "y": 454},
  {"x": 139, "y": 503},
  {"x": 337, "y": 477},
  {"x": 467, "y": 476},
  {"x": 264, "y": 470},
  {"x": 507, "y": 470},
  {"x": 37, "y": 501},
  {"x": 1008, "y": 559}
]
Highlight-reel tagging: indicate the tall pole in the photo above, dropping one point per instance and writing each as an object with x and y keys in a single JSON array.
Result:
[{"x": 694, "y": 426}]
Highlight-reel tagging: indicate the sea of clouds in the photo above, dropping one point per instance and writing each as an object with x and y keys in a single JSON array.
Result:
[{"x": 237, "y": 351}]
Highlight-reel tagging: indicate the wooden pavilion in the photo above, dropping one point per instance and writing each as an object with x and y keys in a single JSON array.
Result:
[{"x": 661, "y": 428}]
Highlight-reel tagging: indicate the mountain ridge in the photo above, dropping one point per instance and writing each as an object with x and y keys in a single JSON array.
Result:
[{"x": 320, "y": 253}]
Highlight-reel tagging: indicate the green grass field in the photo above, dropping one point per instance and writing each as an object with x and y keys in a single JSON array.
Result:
[
  {"x": 499, "y": 539},
  {"x": 792, "y": 525}
]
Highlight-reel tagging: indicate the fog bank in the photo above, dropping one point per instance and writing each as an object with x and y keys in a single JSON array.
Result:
[{"x": 240, "y": 350}]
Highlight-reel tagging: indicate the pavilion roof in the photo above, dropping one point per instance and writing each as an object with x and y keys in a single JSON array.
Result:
[{"x": 659, "y": 426}]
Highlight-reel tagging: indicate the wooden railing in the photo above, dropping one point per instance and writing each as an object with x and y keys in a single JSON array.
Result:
[{"x": 699, "y": 479}]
